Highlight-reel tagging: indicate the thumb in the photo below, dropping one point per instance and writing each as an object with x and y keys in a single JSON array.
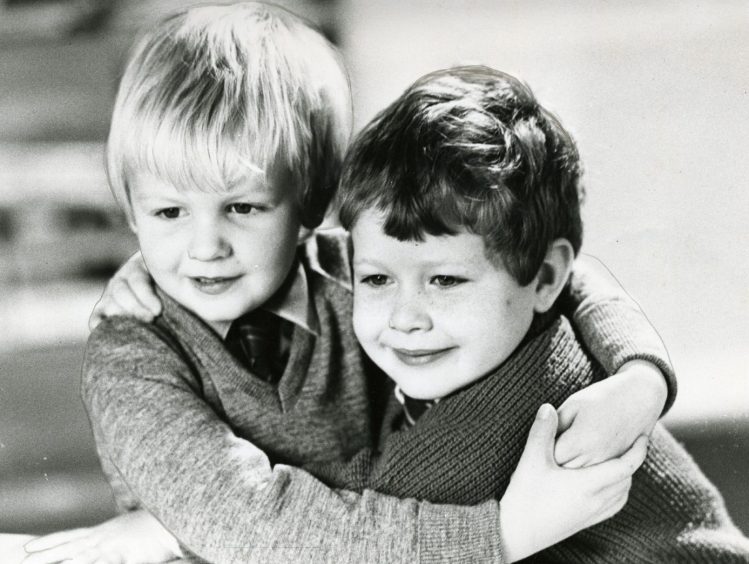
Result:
[
  {"x": 566, "y": 414},
  {"x": 97, "y": 316},
  {"x": 540, "y": 443}
]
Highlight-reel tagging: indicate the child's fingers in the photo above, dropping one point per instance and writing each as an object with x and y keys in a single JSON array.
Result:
[
  {"x": 573, "y": 464},
  {"x": 635, "y": 456},
  {"x": 96, "y": 317},
  {"x": 120, "y": 299},
  {"x": 583, "y": 461},
  {"x": 92, "y": 556},
  {"x": 564, "y": 453},
  {"x": 618, "y": 469},
  {"x": 566, "y": 415},
  {"x": 141, "y": 283},
  {"x": 48, "y": 541},
  {"x": 130, "y": 299},
  {"x": 616, "y": 493},
  {"x": 142, "y": 287},
  {"x": 61, "y": 553},
  {"x": 566, "y": 448},
  {"x": 539, "y": 447},
  {"x": 130, "y": 292},
  {"x": 614, "y": 497}
]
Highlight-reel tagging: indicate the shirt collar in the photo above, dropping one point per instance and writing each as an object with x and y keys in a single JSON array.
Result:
[
  {"x": 413, "y": 408},
  {"x": 293, "y": 301}
]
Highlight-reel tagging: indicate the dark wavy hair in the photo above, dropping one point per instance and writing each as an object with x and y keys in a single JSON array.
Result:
[{"x": 468, "y": 148}]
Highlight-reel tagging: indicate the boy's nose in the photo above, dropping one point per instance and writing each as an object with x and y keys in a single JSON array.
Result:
[
  {"x": 409, "y": 315},
  {"x": 208, "y": 243}
]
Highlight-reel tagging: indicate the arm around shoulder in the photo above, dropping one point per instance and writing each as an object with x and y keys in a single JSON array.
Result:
[{"x": 612, "y": 324}]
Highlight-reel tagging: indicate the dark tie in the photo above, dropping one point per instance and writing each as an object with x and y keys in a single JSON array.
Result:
[{"x": 259, "y": 340}]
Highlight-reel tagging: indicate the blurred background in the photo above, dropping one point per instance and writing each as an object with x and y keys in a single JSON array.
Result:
[{"x": 656, "y": 93}]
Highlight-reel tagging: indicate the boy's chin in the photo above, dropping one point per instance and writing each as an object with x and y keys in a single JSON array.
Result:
[
  {"x": 422, "y": 392},
  {"x": 418, "y": 396},
  {"x": 428, "y": 391}
]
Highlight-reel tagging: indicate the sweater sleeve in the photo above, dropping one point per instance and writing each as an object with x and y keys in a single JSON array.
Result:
[
  {"x": 218, "y": 493},
  {"x": 674, "y": 514},
  {"x": 612, "y": 325}
]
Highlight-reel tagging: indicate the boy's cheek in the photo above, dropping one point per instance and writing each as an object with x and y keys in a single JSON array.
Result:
[{"x": 367, "y": 321}]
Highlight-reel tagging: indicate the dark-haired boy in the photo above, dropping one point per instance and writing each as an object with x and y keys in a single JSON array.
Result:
[{"x": 463, "y": 202}]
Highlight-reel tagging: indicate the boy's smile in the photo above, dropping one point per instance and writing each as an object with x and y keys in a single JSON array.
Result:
[
  {"x": 418, "y": 357},
  {"x": 219, "y": 254},
  {"x": 436, "y": 314},
  {"x": 214, "y": 286}
]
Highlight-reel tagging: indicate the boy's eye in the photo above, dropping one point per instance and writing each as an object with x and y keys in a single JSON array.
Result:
[
  {"x": 446, "y": 281},
  {"x": 375, "y": 280},
  {"x": 241, "y": 208},
  {"x": 169, "y": 213}
]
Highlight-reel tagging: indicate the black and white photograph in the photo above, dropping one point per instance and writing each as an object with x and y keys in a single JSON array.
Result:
[{"x": 374, "y": 281}]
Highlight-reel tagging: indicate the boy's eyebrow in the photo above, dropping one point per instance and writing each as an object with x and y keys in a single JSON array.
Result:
[
  {"x": 267, "y": 195},
  {"x": 260, "y": 186},
  {"x": 364, "y": 261},
  {"x": 239, "y": 190},
  {"x": 451, "y": 264},
  {"x": 250, "y": 183},
  {"x": 145, "y": 197}
]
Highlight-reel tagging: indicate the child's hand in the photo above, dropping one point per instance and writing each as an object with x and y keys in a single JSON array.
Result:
[
  {"x": 129, "y": 292},
  {"x": 11, "y": 547},
  {"x": 132, "y": 538},
  {"x": 544, "y": 503},
  {"x": 605, "y": 419}
]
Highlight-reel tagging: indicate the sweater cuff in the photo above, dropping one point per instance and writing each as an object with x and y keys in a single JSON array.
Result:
[
  {"x": 625, "y": 336},
  {"x": 452, "y": 533}
]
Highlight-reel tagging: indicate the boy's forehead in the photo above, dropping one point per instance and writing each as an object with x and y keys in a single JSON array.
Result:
[
  {"x": 372, "y": 244},
  {"x": 255, "y": 182}
]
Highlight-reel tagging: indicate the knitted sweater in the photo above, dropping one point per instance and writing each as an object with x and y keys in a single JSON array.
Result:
[
  {"x": 172, "y": 412},
  {"x": 186, "y": 432},
  {"x": 464, "y": 449}
]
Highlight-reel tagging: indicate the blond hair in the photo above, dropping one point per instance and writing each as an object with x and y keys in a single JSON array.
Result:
[{"x": 214, "y": 92}]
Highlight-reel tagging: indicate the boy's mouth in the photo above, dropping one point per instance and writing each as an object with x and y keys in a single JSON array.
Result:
[
  {"x": 213, "y": 285},
  {"x": 417, "y": 357}
]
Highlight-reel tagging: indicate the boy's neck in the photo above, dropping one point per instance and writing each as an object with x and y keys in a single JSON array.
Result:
[{"x": 539, "y": 324}]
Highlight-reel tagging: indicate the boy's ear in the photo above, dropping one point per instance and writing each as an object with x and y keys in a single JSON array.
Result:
[{"x": 553, "y": 274}]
